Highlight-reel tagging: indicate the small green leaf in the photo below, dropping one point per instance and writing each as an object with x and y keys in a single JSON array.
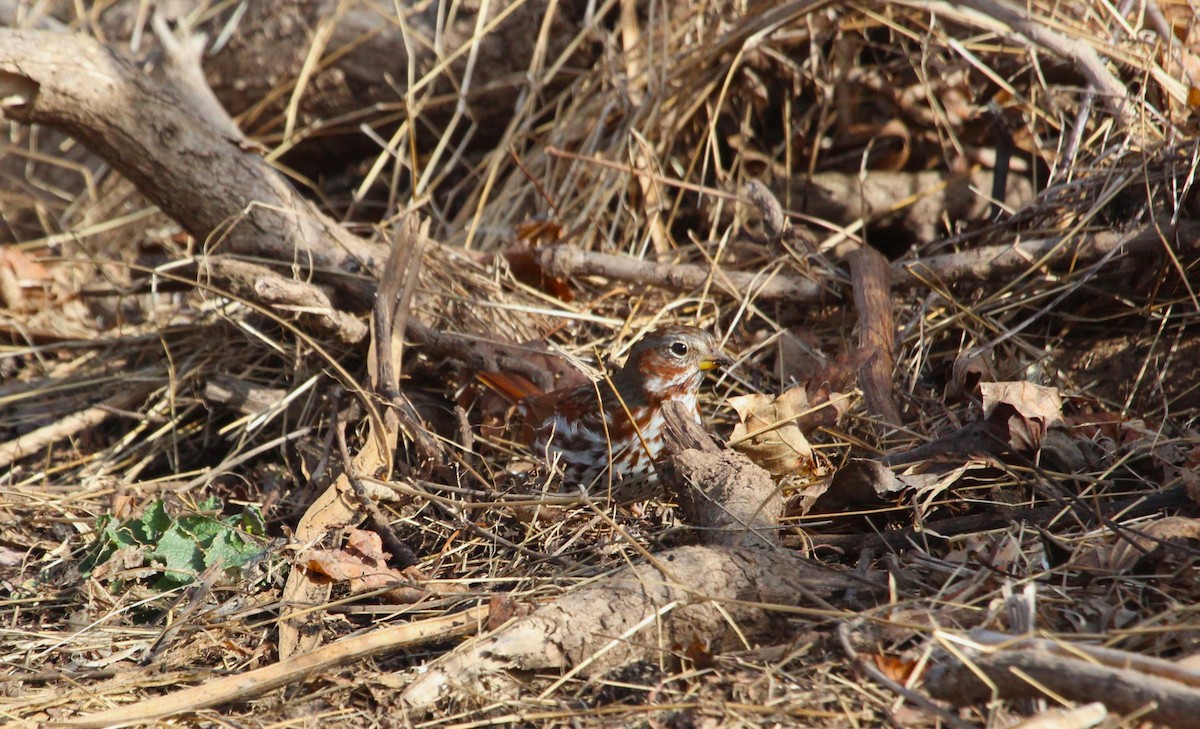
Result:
[
  {"x": 232, "y": 549},
  {"x": 183, "y": 561},
  {"x": 110, "y": 537},
  {"x": 182, "y": 546},
  {"x": 203, "y": 528},
  {"x": 252, "y": 522},
  {"x": 212, "y": 503},
  {"x": 154, "y": 522}
]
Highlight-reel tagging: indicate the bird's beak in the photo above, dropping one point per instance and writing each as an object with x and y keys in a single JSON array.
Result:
[{"x": 714, "y": 360}]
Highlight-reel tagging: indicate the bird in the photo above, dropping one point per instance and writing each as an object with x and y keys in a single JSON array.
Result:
[{"x": 606, "y": 435}]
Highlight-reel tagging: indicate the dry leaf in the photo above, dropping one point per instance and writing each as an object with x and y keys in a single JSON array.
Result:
[
  {"x": 931, "y": 478},
  {"x": 768, "y": 434},
  {"x": 126, "y": 562},
  {"x": 342, "y": 565},
  {"x": 858, "y": 484},
  {"x": 971, "y": 367},
  {"x": 332, "y": 509},
  {"x": 367, "y": 543},
  {"x": 503, "y": 608},
  {"x": 1033, "y": 402},
  {"x": 1131, "y": 548},
  {"x": 899, "y": 670},
  {"x": 803, "y": 494},
  {"x": 998, "y": 551},
  {"x": 860, "y": 472},
  {"x": 362, "y": 565},
  {"x": 523, "y": 262},
  {"x": 1027, "y": 409}
]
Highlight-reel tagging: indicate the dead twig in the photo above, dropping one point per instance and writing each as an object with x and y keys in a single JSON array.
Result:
[
  {"x": 870, "y": 279},
  {"x": 980, "y": 264},
  {"x": 305, "y": 302},
  {"x": 1021, "y": 667},
  {"x": 721, "y": 593},
  {"x": 136, "y": 390},
  {"x": 864, "y": 666},
  {"x": 564, "y": 261},
  {"x": 247, "y": 685},
  {"x": 336, "y": 507},
  {"x": 1079, "y": 52},
  {"x": 726, "y": 497},
  {"x": 401, "y": 552}
]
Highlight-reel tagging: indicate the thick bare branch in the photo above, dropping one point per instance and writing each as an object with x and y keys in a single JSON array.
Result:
[
  {"x": 218, "y": 192},
  {"x": 684, "y": 593},
  {"x": 1019, "y": 667},
  {"x": 729, "y": 499}
]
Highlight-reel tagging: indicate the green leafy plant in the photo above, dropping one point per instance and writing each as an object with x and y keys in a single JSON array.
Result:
[{"x": 183, "y": 546}]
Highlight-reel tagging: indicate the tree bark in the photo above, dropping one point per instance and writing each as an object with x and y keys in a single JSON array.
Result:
[
  {"x": 222, "y": 194},
  {"x": 687, "y": 592}
]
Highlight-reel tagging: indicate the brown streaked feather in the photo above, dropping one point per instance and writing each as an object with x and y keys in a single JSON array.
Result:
[
  {"x": 539, "y": 408},
  {"x": 509, "y": 385},
  {"x": 609, "y": 432}
]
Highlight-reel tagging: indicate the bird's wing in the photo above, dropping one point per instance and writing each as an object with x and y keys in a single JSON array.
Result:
[{"x": 509, "y": 385}]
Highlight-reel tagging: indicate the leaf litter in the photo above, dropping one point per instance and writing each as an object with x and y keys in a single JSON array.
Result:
[{"x": 1044, "y": 483}]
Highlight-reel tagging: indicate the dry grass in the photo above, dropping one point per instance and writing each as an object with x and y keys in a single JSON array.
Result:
[{"x": 645, "y": 153}]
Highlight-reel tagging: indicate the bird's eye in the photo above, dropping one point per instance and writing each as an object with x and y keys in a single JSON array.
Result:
[{"x": 679, "y": 349}]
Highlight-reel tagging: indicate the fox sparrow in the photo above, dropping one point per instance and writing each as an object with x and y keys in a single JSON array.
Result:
[{"x": 607, "y": 434}]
